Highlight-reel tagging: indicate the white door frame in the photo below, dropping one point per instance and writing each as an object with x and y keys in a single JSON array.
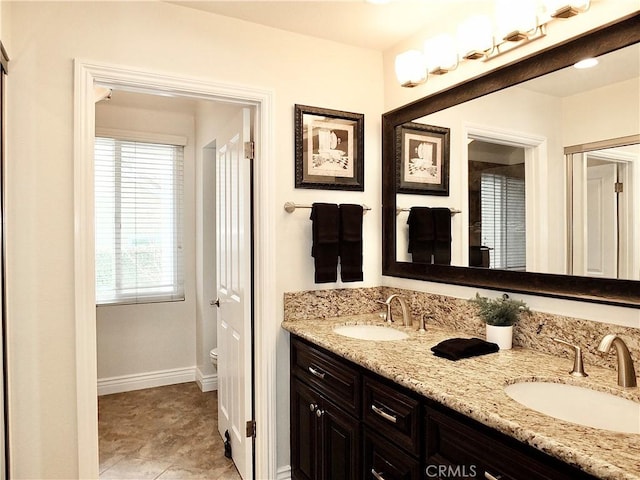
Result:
[{"x": 86, "y": 74}]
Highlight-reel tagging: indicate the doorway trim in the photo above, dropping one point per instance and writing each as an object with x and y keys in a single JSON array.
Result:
[{"x": 86, "y": 74}]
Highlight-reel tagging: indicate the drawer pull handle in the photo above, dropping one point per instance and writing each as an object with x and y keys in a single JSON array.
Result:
[
  {"x": 319, "y": 413},
  {"x": 376, "y": 475},
  {"x": 383, "y": 414},
  {"x": 317, "y": 373},
  {"x": 488, "y": 476},
  {"x": 312, "y": 407}
]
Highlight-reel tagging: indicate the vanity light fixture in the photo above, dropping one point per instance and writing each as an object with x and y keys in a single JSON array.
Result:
[
  {"x": 516, "y": 23},
  {"x": 564, "y": 9},
  {"x": 440, "y": 54},
  {"x": 411, "y": 70},
  {"x": 475, "y": 38}
]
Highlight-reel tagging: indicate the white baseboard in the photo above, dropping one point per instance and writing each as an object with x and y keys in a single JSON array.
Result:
[
  {"x": 207, "y": 383},
  {"x": 284, "y": 473},
  {"x": 138, "y": 381}
]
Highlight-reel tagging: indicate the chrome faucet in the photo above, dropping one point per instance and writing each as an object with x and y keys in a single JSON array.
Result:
[
  {"x": 406, "y": 315},
  {"x": 626, "y": 372}
]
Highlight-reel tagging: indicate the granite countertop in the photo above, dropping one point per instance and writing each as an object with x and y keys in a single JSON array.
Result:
[{"x": 475, "y": 388}]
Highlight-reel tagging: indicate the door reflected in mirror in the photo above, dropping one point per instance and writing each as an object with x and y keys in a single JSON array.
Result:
[{"x": 605, "y": 235}]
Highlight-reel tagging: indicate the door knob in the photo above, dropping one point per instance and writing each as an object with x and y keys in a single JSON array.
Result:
[{"x": 216, "y": 303}]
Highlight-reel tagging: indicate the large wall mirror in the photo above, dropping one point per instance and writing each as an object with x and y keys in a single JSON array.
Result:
[{"x": 543, "y": 161}]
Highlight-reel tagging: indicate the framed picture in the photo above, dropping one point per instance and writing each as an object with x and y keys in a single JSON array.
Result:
[
  {"x": 329, "y": 148},
  {"x": 422, "y": 159}
]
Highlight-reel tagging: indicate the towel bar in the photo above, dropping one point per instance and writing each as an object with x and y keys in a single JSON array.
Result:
[
  {"x": 454, "y": 211},
  {"x": 290, "y": 207}
]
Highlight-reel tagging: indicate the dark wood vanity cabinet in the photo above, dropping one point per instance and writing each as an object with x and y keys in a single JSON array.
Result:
[
  {"x": 459, "y": 447},
  {"x": 392, "y": 431},
  {"x": 325, "y": 415},
  {"x": 349, "y": 423}
]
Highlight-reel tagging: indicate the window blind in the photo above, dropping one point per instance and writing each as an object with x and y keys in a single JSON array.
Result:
[
  {"x": 503, "y": 220},
  {"x": 138, "y": 221}
]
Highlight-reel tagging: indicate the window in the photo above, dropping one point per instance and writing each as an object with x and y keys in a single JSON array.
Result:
[
  {"x": 503, "y": 220},
  {"x": 138, "y": 221}
]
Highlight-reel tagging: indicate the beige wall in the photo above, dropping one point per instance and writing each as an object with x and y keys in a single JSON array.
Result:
[
  {"x": 588, "y": 117},
  {"x": 44, "y": 39}
]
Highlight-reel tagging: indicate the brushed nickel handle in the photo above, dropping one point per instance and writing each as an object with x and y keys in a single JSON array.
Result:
[
  {"x": 319, "y": 413},
  {"x": 383, "y": 414},
  {"x": 578, "y": 364},
  {"x": 316, "y": 373},
  {"x": 312, "y": 407},
  {"x": 376, "y": 475},
  {"x": 488, "y": 476}
]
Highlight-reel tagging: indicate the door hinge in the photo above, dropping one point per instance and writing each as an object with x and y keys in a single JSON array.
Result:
[
  {"x": 251, "y": 428},
  {"x": 617, "y": 187},
  {"x": 249, "y": 150}
]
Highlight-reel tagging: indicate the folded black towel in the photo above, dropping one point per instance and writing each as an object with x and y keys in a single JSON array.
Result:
[
  {"x": 421, "y": 234},
  {"x": 325, "y": 234},
  {"x": 442, "y": 243},
  {"x": 457, "y": 348},
  {"x": 351, "y": 242}
]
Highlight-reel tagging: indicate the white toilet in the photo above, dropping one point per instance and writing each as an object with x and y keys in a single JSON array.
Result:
[{"x": 213, "y": 356}]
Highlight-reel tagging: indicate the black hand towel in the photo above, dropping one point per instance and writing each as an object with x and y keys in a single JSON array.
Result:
[
  {"x": 457, "y": 348},
  {"x": 442, "y": 244},
  {"x": 351, "y": 242},
  {"x": 325, "y": 230},
  {"x": 421, "y": 234}
]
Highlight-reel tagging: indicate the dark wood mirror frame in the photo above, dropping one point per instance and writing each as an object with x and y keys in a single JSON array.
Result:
[{"x": 605, "y": 39}]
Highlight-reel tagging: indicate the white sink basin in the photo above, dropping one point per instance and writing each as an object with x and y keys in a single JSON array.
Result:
[
  {"x": 370, "y": 332},
  {"x": 579, "y": 405}
]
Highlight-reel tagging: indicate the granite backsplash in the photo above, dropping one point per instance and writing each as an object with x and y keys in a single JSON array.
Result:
[{"x": 535, "y": 331}]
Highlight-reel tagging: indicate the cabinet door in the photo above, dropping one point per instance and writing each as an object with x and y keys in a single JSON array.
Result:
[
  {"x": 458, "y": 447},
  {"x": 304, "y": 432},
  {"x": 384, "y": 461},
  {"x": 341, "y": 452}
]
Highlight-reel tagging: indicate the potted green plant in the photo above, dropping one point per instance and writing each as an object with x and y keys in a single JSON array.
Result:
[{"x": 499, "y": 315}]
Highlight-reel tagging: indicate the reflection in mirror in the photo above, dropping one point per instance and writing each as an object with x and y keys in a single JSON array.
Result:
[
  {"x": 497, "y": 217},
  {"x": 508, "y": 149},
  {"x": 604, "y": 238},
  {"x": 526, "y": 223}
]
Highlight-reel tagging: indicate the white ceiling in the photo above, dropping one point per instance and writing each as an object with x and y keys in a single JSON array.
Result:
[{"x": 352, "y": 22}]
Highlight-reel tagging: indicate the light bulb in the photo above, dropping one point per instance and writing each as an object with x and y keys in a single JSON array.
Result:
[{"x": 410, "y": 68}]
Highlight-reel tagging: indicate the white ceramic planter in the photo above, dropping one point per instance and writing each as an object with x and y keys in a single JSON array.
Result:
[{"x": 503, "y": 336}]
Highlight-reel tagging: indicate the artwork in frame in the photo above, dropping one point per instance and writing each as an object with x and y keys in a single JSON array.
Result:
[
  {"x": 422, "y": 166},
  {"x": 329, "y": 149}
]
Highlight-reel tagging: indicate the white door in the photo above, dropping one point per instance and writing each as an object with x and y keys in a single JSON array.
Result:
[
  {"x": 233, "y": 255},
  {"x": 601, "y": 221}
]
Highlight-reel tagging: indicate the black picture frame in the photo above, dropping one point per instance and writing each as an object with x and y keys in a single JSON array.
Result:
[
  {"x": 422, "y": 163},
  {"x": 329, "y": 149}
]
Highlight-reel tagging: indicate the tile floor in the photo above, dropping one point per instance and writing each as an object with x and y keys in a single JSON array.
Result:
[{"x": 162, "y": 433}]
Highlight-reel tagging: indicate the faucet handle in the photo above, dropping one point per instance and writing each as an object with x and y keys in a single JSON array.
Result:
[
  {"x": 386, "y": 315},
  {"x": 578, "y": 365}
]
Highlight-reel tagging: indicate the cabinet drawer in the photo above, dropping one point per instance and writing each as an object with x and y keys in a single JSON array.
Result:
[
  {"x": 393, "y": 413},
  {"x": 385, "y": 461},
  {"x": 465, "y": 445},
  {"x": 331, "y": 375}
]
